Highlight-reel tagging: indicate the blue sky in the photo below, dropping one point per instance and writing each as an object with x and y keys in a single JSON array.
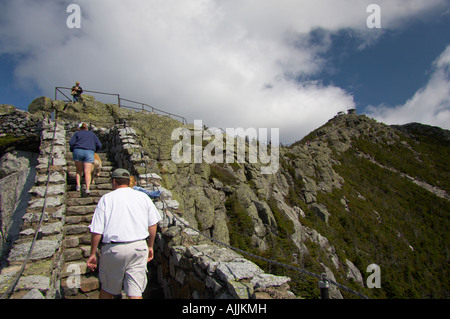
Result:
[
  {"x": 287, "y": 64},
  {"x": 394, "y": 68},
  {"x": 9, "y": 92}
]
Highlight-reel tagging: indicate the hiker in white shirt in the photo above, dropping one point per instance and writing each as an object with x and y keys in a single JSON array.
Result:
[{"x": 125, "y": 221}]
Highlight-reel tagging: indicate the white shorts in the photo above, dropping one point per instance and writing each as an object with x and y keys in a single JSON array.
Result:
[{"x": 124, "y": 266}]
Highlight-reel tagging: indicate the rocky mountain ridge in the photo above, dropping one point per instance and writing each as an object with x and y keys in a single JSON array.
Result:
[{"x": 342, "y": 199}]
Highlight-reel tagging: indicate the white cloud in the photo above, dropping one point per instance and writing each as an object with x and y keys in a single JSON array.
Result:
[
  {"x": 429, "y": 105},
  {"x": 229, "y": 63}
]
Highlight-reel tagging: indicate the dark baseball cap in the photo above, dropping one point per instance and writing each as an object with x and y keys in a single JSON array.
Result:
[{"x": 120, "y": 173}]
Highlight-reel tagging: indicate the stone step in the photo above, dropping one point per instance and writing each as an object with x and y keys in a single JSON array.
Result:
[
  {"x": 96, "y": 181},
  {"x": 81, "y": 201},
  {"x": 106, "y": 169},
  {"x": 103, "y": 174},
  {"x": 71, "y": 241},
  {"x": 94, "y": 193},
  {"x": 107, "y": 186},
  {"x": 77, "y": 229},
  {"x": 71, "y": 187},
  {"x": 75, "y": 220},
  {"x": 80, "y": 210},
  {"x": 88, "y": 285}
]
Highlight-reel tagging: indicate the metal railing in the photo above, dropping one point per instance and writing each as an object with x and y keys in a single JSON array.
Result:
[
  {"x": 142, "y": 106},
  {"x": 149, "y": 108}
]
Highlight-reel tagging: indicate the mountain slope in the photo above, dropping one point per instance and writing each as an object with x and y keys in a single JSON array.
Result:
[
  {"x": 393, "y": 207},
  {"x": 352, "y": 193}
]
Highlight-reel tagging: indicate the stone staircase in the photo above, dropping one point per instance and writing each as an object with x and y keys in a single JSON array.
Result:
[
  {"x": 186, "y": 264},
  {"x": 78, "y": 282}
]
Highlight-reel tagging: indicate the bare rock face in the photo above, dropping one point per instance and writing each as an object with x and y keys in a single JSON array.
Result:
[
  {"x": 41, "y": 104},
  {"x": 354, "y": 273},
  {"x": 17, "y": 173}
]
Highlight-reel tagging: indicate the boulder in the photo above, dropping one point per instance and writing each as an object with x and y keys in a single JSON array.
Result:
[
  {"x": 41, "y": 104},
  {"x": 321, "y": 211},
  {"x": 354, "y": 273}
]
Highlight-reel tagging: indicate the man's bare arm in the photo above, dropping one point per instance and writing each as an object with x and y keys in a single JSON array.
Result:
[
  {"x": 151, "y": 241},
  {"x": 95, "y": 241}
]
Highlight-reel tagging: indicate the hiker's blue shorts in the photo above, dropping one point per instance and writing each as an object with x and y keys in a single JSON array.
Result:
[{"x": 82, "y": 155}]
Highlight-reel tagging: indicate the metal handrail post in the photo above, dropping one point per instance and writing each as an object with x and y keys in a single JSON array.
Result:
[{"x": 324, "y": 287}]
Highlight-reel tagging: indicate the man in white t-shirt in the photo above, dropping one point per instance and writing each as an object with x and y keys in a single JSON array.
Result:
[{"x": 125, "y": 222}]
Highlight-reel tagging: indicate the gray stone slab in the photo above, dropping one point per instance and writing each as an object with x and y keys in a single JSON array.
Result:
[
  {"x": 237, "y": 270},
  {"x": 42, "y": 249}
]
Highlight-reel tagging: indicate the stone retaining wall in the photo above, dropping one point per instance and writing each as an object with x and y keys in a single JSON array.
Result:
[
  {"x": 189, "y": 265},
  {"x": 18, "y": 123},
  {"x": 124, "y": 147},
  {"x": 41, "y": 276}
]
